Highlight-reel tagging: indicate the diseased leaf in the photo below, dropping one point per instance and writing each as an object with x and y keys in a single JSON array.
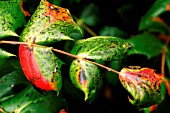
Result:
[
  {"x": 143, "y": 84},
  {"x": 50, "y": 66},
  {"x": 11, "y": 18},
  {"x": 49, "y": 24},
  {"x": 105, "y": 48},
  {"x": 146, "y": 44},
  {"x": 151, "y": 20},
  {"x": 89, "y": 15},
  {"x": 41, "y": 67},
  {"x": 30, "y": 101},
  {"x": 9, "y": 81},
  {"x": 86, "y": 77}
]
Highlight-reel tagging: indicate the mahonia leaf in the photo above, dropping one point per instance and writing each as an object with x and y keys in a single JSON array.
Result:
[
  {"x": 42, "y": 67},
  {"x": 11, "y": 18},
  {"x": 143, "y": 84},
  {"x": 9, "y": 81},
  {"x": 146, "y": 44},
  {"x": 49, "y": 24},
  {"x": 151, "y": 20},
  {"x": 31, "y": 101},
  {"x": 86, "y": 77},
  {"x": 105, "y": 48}
]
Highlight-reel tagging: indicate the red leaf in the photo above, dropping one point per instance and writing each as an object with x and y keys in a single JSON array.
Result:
[{"x": 31, "y": 69}]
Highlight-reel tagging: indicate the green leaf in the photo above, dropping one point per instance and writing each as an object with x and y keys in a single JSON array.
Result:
[
  {"x": 105, "y": 48},
  {"x": 49, "y": 24},
  {"x": 144, "y": 85},
  {"x": 90, "y": 14},
  {"x": 9, "y": 65},
  {"x": 55, "y": 2},
  {"x": 146, "y": 44},
  {"x": 9, "y": 81},
  {"x": 30, "y": 101},
  {"x": 151, "y": 20},
  {"x": 11, "y": 18},
  {"x": 4, "y": 57},
  {"x": 86, "y": 77},
  {"x": 111, "y": 31}
]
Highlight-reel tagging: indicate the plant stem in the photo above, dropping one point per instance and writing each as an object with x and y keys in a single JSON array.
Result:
[
  {"x": 163, "y": 61},
  {"x": 85, "y": 26},
  {"x": 2, "y": 110},
  {"x": 12, "y": 42},
  {"x": 105, "y": 67},
  {"x": 63, "y": 52},
  {"x": 77, "y": 57}
]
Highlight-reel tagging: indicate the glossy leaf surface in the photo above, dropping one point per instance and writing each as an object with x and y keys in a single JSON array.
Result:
[
  {"x": 11, "y": 18},
  {"x": 151, "y": 20},
  {"x": 105, "y": 48},
  {"x": 143, "y": 84},
  {"x": 41, "y": 67},
  {"x": 146, "y": 44},
  {"x": 30, "y": 101},
  {"x": 49, "y": 24},
  {"x": 86, "y": 77}
]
